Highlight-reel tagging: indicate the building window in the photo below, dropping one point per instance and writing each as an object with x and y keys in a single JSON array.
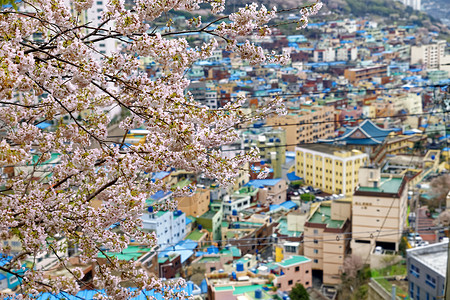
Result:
[
  {"x": 290, "y": 282},
  {"x": 415, "y": 271},
  {"x": 418, "y": 293},
  {"x": 316, "y": 231},
  {"x": 297, "y": 269},
  {"x": 316, "y": 251},
  {"x": 316, "y": 261},
  {"x": 316, "y": 241},
  {"x": 431, "y": 281},
  {"x": 411, "y": 289}
]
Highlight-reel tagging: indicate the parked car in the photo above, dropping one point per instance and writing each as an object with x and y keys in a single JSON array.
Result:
[
  {"x": 414, "y": 236},
  {"x": 378, "y": 250}
]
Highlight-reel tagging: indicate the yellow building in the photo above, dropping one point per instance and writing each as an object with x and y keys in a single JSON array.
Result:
[
  {"x": 332, "y": 169},
  {"x": 305, "y": 125}
]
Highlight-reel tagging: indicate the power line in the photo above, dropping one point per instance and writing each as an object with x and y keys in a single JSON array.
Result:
[
  {"x": 242, "y": 243},
  {"x": 350, "y": 90},
  {"x": 313, "y": 143},
  {"x": 237, "y": 149}
]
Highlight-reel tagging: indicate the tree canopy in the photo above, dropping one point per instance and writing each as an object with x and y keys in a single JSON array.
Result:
[{"x": 53, "y": 73}]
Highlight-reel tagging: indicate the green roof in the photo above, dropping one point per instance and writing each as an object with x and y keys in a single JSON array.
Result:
[
  {"x": 283, "y": 229},
  {"x": 249, "y": 223},
  {"x": 234, "y": 251},
  {"x": 208, "y": 215},
  {"x": 160, "y": 213},
  {"x": 294, "y": 260},
  {"x": 130, "y": 253},
  {"x": 205, "y": 259},
  {"x": 36, "y": 158},
  {"x": 223, "y": 288},
  {"x": 247, "y": 190},
  {"x": 183, "y": 183},
  {"x": 387, "y": 185},
  {"x": 323, "y": 216},
  {"x": 195, "y": 235},
  {"x": 239, "y": 290},
  {"x": 265, "y": 296},
  {"x": 162, "y": 260}
]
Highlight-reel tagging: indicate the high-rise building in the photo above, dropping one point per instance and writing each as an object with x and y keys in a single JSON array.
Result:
[
  {"x": 430, "y": 55},
  {"x": 415, "y": 4},
  {"x": 306, "y": 124}
]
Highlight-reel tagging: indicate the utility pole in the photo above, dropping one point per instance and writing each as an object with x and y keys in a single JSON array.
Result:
[{"x": 446, "y": 110}]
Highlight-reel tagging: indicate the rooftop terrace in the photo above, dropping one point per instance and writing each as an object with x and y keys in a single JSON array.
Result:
[
  {"x": 390, "y": 185},
  {"x": 323, "y": 216}
]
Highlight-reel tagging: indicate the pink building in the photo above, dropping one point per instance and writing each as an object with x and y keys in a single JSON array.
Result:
[{"x": 296, "y": 269}]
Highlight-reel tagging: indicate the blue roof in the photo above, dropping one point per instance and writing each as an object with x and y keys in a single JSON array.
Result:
[
  {"x": 260, "y": 183},
  {"x": 274, "y": 207},
  {"x": 373, "y": 134},
  {"x": 285, "y": 205},
  {"x": 213, "y": 250},
  {"x": 89, "y": 294},
  {"x": 160, "y": 175},
  {"x": 184, "y": 248},
  {"x": 184, "y": 253},
  {"x": 289, "y": 205},
  {"x": 409, "y": 132},
  {"x": 188, "y": 244},
  {"x": 159, "y": 195},
  {"x": 4, "y": 259},
  {"x": 292, "y": 177},
  {"x": 43, "y": 125}
]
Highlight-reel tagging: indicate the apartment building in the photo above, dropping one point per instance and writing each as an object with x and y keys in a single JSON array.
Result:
[
  {"x": 326, "y": 239},
  {"x": 429, "y": 55},
  {"x": 296, "y": 269},
  {"x": 170, "y": 227},
  {"x": 426, "y": 269},
  {"x": 332, "y": 169},
  {"x": 306, "y": 124},
  {"x": 240, "y": 200},
  {"x": 355, "y": 75},
  {"x": 272, "y": 191},
  {"x": 379, "y": 211}
]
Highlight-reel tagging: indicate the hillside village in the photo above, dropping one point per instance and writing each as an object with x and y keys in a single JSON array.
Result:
[{"x": 349, "y": 172}]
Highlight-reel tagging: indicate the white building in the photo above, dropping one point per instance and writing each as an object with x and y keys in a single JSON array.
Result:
[
  {"x": 235, "y": 204},
  {"x": 431, "y": 55},
  {"x": 415, "y": 4},
  {"x": 170, "y": 227}
]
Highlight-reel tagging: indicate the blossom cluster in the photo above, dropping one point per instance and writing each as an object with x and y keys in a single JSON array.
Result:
[{"x": 71, "y": 184}]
